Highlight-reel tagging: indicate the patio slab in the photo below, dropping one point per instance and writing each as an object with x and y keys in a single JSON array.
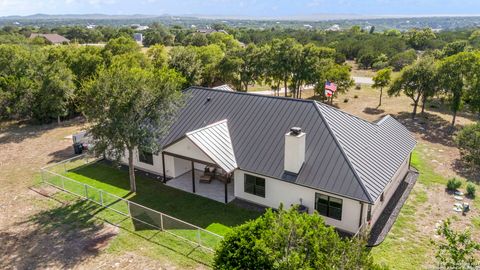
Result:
[{"x": 215, "y": 190}]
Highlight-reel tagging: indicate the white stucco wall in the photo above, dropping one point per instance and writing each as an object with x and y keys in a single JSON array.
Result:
[
  {"x": 277, "y": 191},
  {"x": 390, "y": 189},
  {"x": 187, "y": 148}
]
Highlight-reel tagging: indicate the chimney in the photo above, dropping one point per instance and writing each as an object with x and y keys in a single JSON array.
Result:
[{"x": 294, "y": 150}]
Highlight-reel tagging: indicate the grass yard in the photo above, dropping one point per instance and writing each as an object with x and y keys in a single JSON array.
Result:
[
  {"x": 205, "y": 213},
  {"x": 408, "y": 245}
]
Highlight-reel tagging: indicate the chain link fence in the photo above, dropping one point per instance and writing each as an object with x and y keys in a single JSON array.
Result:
[{"x": 142, "y": 217}]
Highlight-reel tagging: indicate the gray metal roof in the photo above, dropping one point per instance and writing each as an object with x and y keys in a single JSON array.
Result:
[
  {"x": 224, "y": 87},
  {"x": 376, "y": 150},
  {"x": 214, "y": 140},
  {"x": 258, "y": 124}
]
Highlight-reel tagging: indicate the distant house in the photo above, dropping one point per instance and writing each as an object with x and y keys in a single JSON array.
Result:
[
  {"x": 271, "y": 150},
  {"x": 138, "y": 37},
  {"x": 210, "y": 30},
  {"x": 51, "y": 38}
]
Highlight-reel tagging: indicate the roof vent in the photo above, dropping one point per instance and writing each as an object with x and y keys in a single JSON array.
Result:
[
  {"x": 208, "y": 99},
  {"x": 295, "y": 131}
]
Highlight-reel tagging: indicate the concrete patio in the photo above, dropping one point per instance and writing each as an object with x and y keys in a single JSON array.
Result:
[{"x": 215, "y": 190}]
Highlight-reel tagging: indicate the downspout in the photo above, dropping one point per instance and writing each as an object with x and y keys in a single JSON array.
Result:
[{"x": 361, "y": 215}]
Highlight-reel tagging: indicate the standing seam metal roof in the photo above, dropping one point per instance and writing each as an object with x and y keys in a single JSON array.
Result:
[
  {"x": 214, "y": 141},
  {"x": 334, "y": 160}
]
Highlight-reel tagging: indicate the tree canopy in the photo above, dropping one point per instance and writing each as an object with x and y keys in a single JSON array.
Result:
[{"x": 290, "y": 240}]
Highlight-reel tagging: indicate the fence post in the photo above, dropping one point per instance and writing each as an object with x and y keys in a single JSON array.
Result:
[
  {"x": 128, "y": 206},
  {"x": 101, "y": 197},
  {"x": 161, "y": 221},
  {"x": 198, "y": 236}
]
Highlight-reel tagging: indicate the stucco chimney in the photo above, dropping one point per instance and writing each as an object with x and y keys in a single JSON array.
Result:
[{"x": 294, "y": 150}]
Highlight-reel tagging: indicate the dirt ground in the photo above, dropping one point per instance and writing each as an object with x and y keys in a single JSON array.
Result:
[
  {"x": 28, "y": 235},
  {"x": 28, "y": 242}
]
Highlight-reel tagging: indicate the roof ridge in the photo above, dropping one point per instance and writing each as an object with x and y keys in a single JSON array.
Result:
[
  {"x": 249, "y": 94},
  {"x": 350, "y": 164},
  {"x": 207, "y": 127}
]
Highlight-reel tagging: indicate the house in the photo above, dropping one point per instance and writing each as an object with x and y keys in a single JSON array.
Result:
[
  {"x": 210, "y": 31},
  {"x": 273, "y": 150},
  {"x": 51, "y": 38},
  {"x": 138, "y": 37}
]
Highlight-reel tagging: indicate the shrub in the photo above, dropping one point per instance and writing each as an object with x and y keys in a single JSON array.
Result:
[
  {"x": 453, "y": 184},
  {"x": 471, "y": 190},
  {"x": 455, "y": 249},
  {"x": 262, "y": 244},
  {"x": 356, "y": 96},
  {"x": 358, "y": 86},
  {"x": 345, "y": 100}
]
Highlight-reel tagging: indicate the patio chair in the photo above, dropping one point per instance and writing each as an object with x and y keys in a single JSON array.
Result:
[
  {"x": 225, "y": 177},
  {"x": 208, "y": 175}
]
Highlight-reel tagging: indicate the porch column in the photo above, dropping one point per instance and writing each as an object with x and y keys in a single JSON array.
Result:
[
  {"x": 164, "y": 170},
  {"x": 226, "y": 192},
  {"x": 193, "y": 176}
]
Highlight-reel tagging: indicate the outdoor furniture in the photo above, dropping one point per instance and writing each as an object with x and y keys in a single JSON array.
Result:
[
  {"x": 208, "y": 175},
  {"x": 225, "y": 177}
]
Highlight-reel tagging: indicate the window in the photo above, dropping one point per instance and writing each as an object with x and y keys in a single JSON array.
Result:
[
  {"x": 328, "y": 206},
  {"x": 254, "y": 185},
  {"x": 145, "y": 157}
]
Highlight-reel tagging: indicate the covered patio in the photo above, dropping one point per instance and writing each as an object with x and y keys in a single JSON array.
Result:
[
  {"x": 203, "y": 162},
  {"x": 214, "y": 190}
]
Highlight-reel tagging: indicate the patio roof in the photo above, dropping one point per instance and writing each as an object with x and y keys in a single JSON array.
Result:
[{"x": 214, "y": 140}]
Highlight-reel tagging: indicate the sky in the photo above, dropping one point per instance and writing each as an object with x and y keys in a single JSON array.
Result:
[{"x": 248, "y": 8}]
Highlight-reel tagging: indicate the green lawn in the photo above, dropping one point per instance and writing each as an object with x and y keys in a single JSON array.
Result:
[{"x": 205, "y": 213}]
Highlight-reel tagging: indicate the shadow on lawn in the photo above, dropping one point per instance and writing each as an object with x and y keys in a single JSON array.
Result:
[
  {"x": 153, "y": 194},
  {"x": 62, "y": 236},
  {"x": 16, "y": 132},
  {"x": 430, "y": 127}
]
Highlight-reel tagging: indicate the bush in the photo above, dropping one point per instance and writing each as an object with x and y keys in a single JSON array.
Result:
[
  {"x": 262, "y": 244},
  {"x": 358, "y": 86},
  {"x": 345, "y": 100},
  {"x": 471, "y": 190},
  {"x": 453, "y": 184},
  {"x": 356, "y": 96}
]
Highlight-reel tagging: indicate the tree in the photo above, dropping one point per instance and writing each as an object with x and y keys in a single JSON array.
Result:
[
  {"x": 186, "y": 61},
  {"x": 456, "y": 74},
  {"x": 210, "y": 57},
  {"x": 54, "y": 92},
  {"x": 457, "y": 250},
  {"x": 158, "y": 55},
  {"x": 468, "y": 141},
  {"x": 130, "y": 107},
  {"x": 290, "y": 240},
  {"x": 403, "y": 59},
  {"x": 118, "y": 46},
  {"x": 420, "y": 39},
  {"x": 416, "y": 81},
  {"x": 157, "y": 34},
  {"x": 380, "y": 80}
]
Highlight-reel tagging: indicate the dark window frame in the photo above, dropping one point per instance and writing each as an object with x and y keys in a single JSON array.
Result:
[
  {"x": 145, "y": 157},
  {"x": 329, "y": 206},
  {"x": 256, "y": 188}
]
